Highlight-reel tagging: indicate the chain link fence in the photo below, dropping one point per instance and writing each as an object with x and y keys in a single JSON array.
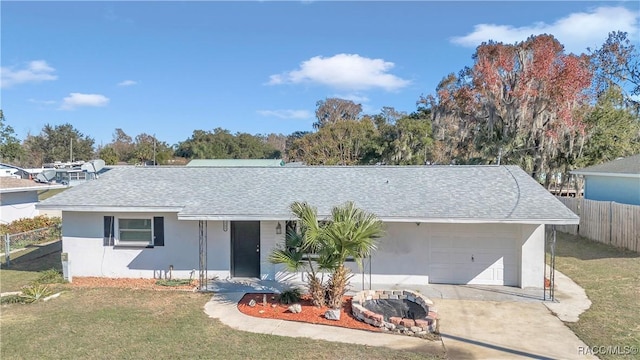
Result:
[{"x": 13, "y": 242}]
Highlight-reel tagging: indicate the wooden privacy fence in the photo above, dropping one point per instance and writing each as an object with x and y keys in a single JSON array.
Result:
[{"x": 605, "y": 221}]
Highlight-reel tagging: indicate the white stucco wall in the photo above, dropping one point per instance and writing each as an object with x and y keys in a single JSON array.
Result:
[
  {"x": 405, "y": 256},
  {"x": 18, "y": 205},
  {"x": 532, "y": 256},
  {"x": 83, "y": 241},
  {"x": 407, "y": 253}
]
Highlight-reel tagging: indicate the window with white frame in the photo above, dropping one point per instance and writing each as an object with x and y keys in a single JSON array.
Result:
[
  {"x": 146, "y": 231},
  {"x": 135, "y": 232}
]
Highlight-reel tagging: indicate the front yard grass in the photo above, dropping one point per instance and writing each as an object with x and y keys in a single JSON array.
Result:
[
  {"x": 113, "y": 323},
  {"x": 26, "y": 264},
  {"x": 611, "y": 279}
]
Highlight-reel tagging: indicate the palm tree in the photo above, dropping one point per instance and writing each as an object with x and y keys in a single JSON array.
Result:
[
  {"x": 351, "y": 233},
  {"x": 326, "y": 246},
  {"x": 295, "y": 255}
]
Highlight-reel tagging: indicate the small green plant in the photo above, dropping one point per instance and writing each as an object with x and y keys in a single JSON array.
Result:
[
  {"x": 290, "y": 296},
  {"x": 173, "y": 282},
  {"x": 51, "y": 276},
  {"x": 11, "y": 299},
  {"x": 35, "y": 292}
]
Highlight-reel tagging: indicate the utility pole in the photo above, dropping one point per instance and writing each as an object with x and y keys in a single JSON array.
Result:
[
  {"x": 499, "y": 156},
  {"x": 71, "y": 150},
  {"x": 154, "y": 149}
]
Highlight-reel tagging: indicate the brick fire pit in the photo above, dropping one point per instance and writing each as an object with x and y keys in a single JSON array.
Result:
[{"x": 419, "y": 317}]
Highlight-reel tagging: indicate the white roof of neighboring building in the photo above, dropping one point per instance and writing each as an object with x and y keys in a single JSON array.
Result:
[{"x": 622, "y": 167}]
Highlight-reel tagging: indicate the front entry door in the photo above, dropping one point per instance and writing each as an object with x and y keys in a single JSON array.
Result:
[{"x": 245, "y": 248}]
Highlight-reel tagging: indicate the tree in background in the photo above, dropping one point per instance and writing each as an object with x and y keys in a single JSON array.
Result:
[
  {"x": 613, "y": 130},
  {"x": 617, "y": 64},
  {"x": 149, "y": 150},
  {"x": 333, "y": 110},
  {"x": 57, "y": 143},
  {"x": 346, "y": 142},
  {"x": 405, "y": 140},
  {"x": 221, "y": 144},
  {"x": 10, "y": 147},
  {"x": 519, "y": 102}
]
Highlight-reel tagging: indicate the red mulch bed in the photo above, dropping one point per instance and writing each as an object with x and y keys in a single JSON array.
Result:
[
  {"x": 310, "y": 314},
  {"x": 125, "y": 283}
]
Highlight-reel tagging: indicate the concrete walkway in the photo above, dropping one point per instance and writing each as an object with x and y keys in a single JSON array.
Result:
[
  {"x": 475, "y": 322},
  {"x": 224, "y": 307}
]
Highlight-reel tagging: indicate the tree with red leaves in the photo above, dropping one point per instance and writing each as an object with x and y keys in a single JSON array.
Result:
[{"x": 518, "y": 103}]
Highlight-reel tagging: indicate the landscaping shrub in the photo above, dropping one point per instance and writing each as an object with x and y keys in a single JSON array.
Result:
[
  {"x": 51, "y": 276},
  {"x": 173, "y": 282},
  {"x": 35, "y": 292},
  {"x": 290, "y": 296},
  {"x": 28, "y": 224},
  {"x": 51, "y": 231},
  {"x": 11, "y": 299}
]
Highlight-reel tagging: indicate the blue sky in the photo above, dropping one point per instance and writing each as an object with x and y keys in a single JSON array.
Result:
[{"x": 168, "y": 68}]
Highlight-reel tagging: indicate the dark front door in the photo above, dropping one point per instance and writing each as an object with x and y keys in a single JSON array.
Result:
[{"x": 245, "y": 248}]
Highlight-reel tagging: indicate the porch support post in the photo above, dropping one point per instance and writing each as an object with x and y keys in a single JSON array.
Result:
[{"x": 202, "y": 251}]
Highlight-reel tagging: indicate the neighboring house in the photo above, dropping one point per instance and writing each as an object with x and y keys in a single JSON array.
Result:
[
  {"x": 7, "y": 170},
  {"x": 444, "y": 224},
  {"x": 236, "y": 162},
  {"x": 18, "y": 198},
  {"x": 617, "y": 180}
]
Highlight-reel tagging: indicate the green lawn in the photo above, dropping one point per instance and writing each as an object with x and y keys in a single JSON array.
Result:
[
  {"x": 142, "y": 324},
  {"x": 611, "y": 278},
  {"x": 45, "y": 194},
  {"x": 26, "y": 264}
]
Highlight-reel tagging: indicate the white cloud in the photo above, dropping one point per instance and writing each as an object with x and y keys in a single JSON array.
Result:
[
  {"x": 576, "y": 32},
  {"x": 42, "y": 102},
  {"x": 343, "y": 71},
  {"x": 356, "y": 98},
  {"x": 127, "y": 83},
  {"x": 35, "y": 71},
  {"x": 75, "y": 100},
  {"x": 286, "y": 114}
]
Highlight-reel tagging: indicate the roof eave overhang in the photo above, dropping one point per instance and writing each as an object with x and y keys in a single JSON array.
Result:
[
  {"x": 94, "y": 208},
  {"x": 608, "y": 174},
  {"x": 31, "y": 188},
  {"x": 260, "y": 217}
]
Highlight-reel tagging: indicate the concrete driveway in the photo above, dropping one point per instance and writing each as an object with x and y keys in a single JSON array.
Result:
[
  {"x": 504, "y": 330},
  {"x": 476, "y": 322}
]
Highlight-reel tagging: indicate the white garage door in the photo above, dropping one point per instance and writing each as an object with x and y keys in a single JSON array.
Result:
[{"x": 484, "y": 258}]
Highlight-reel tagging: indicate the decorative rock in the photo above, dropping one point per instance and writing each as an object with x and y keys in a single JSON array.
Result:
[
  {"x": 396, "y": 325},
  {"x": 252, "y": 303},
  {"x": 395, "y": 320},
  {"x": 274, "y": 305},
  {"x": 332, "y": 314},
  {"x": 295, "y": 308},
  {"x": 261, "y": 311},
  {"x": 424, "y": 324},
  {"x": 407, "y": 323}
]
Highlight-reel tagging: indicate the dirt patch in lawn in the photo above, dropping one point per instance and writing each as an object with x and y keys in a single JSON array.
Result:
[
  {"x": 124, "y": 283},
  {"x": 310, "y": 314}
]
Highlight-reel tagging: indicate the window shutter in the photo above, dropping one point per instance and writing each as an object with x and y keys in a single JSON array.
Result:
[
  {"x": 108, "y": 231},
  {"x": 158, "y": 231}
]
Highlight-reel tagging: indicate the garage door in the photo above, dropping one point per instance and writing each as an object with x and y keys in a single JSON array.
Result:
[{"x": 482, "y": 259}]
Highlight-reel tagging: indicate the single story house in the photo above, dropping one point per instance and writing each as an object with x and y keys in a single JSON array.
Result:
[
  {"x": 18, "y": 198},
  {"x": 444, "y": 224},
  {"x": 617, "y": 180}
]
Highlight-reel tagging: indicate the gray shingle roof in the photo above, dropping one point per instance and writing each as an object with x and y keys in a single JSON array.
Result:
[
  {"x": 404, "y": 193},
  {"x": 629, "y": 165}
]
